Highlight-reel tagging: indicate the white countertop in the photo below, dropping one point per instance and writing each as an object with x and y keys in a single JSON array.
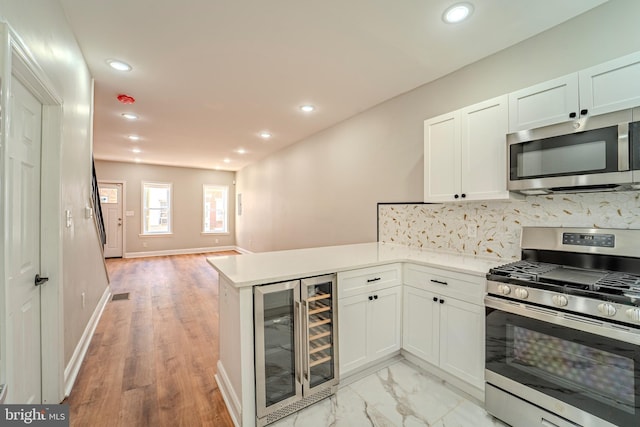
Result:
[{"x": 270, "y": 267}]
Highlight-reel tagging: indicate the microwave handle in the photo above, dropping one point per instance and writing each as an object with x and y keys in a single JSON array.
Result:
[{"x": 623, "y": 147}]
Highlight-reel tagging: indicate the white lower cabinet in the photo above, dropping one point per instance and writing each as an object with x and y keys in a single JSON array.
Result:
[
  {"x": 462, "y": 340},
  {"x": 444, "y": 331},
  {"x": 370, "y": 325}
]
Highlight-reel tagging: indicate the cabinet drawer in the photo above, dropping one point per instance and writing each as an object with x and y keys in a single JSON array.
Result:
[
  {"x": 355, "y": 282},
  {"x": 462, "y": 286}
]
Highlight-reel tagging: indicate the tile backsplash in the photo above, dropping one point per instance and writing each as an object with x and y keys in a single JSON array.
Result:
[{"x": 497, "y": 224}]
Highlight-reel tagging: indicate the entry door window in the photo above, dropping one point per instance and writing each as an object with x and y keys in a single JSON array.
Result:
[
  {"x": 156, "y": 208},
  {"x": 108, "y": 195}
]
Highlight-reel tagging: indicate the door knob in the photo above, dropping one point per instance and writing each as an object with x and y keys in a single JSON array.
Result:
[{"x": 40, "y": 280}]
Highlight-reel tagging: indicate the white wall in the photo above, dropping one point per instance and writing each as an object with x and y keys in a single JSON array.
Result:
[
  {"x": 324, "y": 189},
  {"x": 42, "y": 26},
  {"x": 187, "y": 205}
]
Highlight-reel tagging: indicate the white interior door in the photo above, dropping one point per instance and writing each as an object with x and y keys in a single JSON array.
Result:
[
  {"x": 111, "y": 202},
  {"x": 23, "y": 296}
]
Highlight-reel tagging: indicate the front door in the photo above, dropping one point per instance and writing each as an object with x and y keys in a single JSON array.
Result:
[
  {"x": 23, "y": 296},
  {"x": 111, "y": 202}
]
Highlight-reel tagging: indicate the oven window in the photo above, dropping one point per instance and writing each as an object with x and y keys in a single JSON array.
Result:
[
  {"x": 599, "y": 374},
  {"x": 591, "y": 372}
]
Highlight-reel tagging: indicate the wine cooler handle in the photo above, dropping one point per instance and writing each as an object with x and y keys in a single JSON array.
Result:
[
  {"x": 297, "y": 313},
  {"x": 305, "y": 334}
]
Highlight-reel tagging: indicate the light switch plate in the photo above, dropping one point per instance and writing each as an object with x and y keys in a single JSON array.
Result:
[{"x": 129, "y": 213}]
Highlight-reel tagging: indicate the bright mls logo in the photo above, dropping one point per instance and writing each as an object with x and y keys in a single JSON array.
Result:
[{"x": 34, "y": 415}]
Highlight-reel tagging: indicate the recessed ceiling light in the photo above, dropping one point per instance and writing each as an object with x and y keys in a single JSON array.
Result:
[
  {"x": 136, "y": 150},
  {"x": 457, "y": 13},
  {"x": 307, "y": 108},
  {"x": 265, "y": 135},
  {"x": 241, "y": 151},
  {"x": 119, "y": 65},
  {"x": 134, "y": 137},
  {"x": 227, "y": 160},
  {"x": 130, "y": 116}
]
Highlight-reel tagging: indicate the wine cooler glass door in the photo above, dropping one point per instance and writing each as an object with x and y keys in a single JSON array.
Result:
[
  {"x": 320, "y": 357},
  {"x": 277, "y": 342}
]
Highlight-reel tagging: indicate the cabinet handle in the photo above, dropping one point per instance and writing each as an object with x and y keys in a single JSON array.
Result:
[
  {"x": 439, "y": 282},
  {"x": 375, "y": 279},
  {"x": 375, "y": 297},
  {"x": 584, "y": 112},
  {"x": 463, "y": 195},
  {"x": 572, "y": 115},
  {"x": 441, "y": 301},
  {"x": 370, "y": 298},
  {"x": 435, "y": 299},
  {"x": 455, "y": 196}
]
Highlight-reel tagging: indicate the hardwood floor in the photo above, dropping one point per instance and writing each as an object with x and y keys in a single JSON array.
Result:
[{"x": 153, "y": 357}]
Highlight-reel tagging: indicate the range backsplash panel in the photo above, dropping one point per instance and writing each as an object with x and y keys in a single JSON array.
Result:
[{"x": 497, "y": 224}]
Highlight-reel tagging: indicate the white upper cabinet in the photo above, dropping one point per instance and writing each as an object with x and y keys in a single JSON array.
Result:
[
  {"x": 484, "y": 153},
  {"x": 604, "y": 88},
  {"x": 465, "y": 153},
  {"x": 544, "y": 104},
  {"x": 442, "y": 157},
  {"x": 612, "y": 86}
]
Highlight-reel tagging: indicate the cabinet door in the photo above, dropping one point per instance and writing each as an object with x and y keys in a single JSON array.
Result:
[
  {"x": 352, "y": 334},
  {"x": 544, "y": 104},
  {"x": 611, "y": 86},
  {"x": 442, "y": 158},
  {"x": 484, "y": 128},
  {"x": 462, "y": 340},
  {"x": 385, "y": 322},
  {"x": 421, "y": 324}
]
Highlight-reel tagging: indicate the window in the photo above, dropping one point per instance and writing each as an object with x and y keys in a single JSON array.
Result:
[
  {"x": 108, "y": 195},
  {"x": 215, "y": 209},
  {"x": 156, "y": 208}
]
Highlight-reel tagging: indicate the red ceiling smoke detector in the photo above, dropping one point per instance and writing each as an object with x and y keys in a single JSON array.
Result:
[{"x": 126, "y": 99}]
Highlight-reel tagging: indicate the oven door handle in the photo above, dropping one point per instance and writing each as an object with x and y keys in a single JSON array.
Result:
[{"x": 593, "y": 326}]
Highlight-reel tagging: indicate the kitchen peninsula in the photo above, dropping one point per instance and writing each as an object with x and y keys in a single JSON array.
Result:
[{"x": 395, "y": 286}]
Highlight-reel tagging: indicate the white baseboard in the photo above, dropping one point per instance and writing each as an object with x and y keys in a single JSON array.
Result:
[
  {"x": 72, "y": 369},
  {"x": 228, "y": 394},
  {"x": 188, "y": 251},
  {"x": 243, "y": 251}
]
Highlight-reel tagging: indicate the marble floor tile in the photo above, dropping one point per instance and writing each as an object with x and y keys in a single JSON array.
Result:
[{"x": 396, "y": 396}]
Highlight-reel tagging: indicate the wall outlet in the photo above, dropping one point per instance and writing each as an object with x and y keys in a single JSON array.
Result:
[
  {"x": 472, "y": 230},
  {"x": 145, "y": 244},
  {"x": 217, "y": 240}
]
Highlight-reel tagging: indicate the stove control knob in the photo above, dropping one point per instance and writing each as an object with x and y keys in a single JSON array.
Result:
[
  {"x": 504, "y": 289},
  {"x": 522, "y": 293},
  {"x": 634, "y": 314},
  {"x": 560, "y": 300},
  {"x": 606, "y": 309}
]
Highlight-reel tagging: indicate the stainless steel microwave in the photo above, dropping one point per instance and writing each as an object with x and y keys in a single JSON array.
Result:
[{"x": 593, "y": 154}]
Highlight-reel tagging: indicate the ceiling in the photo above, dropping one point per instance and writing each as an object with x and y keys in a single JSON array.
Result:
[{"x": 209, "y": 76}]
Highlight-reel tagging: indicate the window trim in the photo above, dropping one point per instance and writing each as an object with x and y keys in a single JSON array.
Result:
[
  {"x": 225, "y": 188},
  {"x": 144, "y": 211}
]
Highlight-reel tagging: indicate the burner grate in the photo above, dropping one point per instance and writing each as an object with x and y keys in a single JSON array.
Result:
[
  {"x": 524, "y": 270},
  {"x": 619, "y": 282}
]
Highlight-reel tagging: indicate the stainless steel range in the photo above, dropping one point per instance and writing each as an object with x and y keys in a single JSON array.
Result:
[{"x": 563, "y": 330}]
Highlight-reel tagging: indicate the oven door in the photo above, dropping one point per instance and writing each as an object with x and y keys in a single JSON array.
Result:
[{"x": 574, "y": 367}]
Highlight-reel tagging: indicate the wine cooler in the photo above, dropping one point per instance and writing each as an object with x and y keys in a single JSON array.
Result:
[{"x": 296, "y": 347}]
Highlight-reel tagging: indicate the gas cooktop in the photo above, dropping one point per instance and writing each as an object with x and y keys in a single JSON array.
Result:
[
  {"x": 601, "y": 284},
  {"x": 584, "y": 271}
]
